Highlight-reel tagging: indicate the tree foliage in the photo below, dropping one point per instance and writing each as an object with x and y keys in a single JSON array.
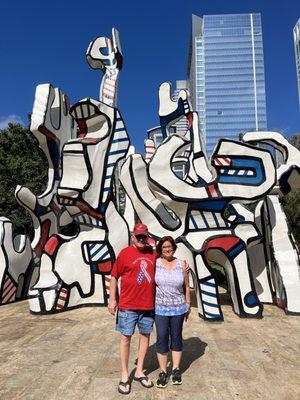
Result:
[
  {"x": 21, "y": 163},
  {"x": 295, "y": 140},
  {"x": 291, "y": 205},
  {"x": 291, "y": 202}
]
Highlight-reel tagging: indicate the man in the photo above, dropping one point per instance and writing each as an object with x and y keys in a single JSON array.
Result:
[{"x": 135, "y": 265}]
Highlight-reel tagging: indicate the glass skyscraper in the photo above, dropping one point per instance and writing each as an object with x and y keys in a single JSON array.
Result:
[
  {"x": 297, "y": 54},
  {"x": 226, "y": 75}
]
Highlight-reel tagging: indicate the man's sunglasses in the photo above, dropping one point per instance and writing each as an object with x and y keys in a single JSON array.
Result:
[{"x": 140, "y": 238}]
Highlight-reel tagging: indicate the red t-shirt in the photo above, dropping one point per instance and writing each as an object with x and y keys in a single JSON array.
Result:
[{"x": 136, "y": 270}]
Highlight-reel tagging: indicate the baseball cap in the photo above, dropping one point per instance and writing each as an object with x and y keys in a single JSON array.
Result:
[{"x": 140, "y": 229}]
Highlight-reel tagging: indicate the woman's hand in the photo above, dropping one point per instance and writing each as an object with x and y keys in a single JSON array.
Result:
[
  {"x": 186, "y": 267},
  {"x": 187, "y": 314}
]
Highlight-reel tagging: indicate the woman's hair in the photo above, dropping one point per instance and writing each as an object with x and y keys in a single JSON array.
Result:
[{"x": 162, "y": 241}]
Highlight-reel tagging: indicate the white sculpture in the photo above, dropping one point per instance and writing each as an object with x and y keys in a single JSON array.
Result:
[
  {"x": 238, "y": 173},
  {"x": 205, "y": 210},
  {"x": 76, "y": 271},
  {"x": 279, "y": 262},
  {"x": 16, "y": 265}
]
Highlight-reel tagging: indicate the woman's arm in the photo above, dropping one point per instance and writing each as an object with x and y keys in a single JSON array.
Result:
[{"x": 186, "y": 283}]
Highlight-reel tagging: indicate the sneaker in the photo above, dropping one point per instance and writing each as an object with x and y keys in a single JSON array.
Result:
[
  {"x": 162, "y": 380},
  {"x": 176, "y": 377}
]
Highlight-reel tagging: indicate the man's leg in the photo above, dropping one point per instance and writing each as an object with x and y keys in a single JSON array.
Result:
[
  {"x": 125, "y": 324},
  {"x": 145, "y": 325},
  {"x": 124, "y": 355},
  {"x": 143, "y": 347}
]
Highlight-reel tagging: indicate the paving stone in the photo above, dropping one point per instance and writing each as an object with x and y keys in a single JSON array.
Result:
[{"x": 74, "y": 355}]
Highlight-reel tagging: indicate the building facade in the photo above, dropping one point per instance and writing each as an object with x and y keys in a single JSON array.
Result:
[
  {"x": 226, "y": 76},
  {"x": 296, "y": 33}
]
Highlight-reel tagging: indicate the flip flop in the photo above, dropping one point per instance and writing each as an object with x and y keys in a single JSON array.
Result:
[
  {"x": 124, "y": 384},
  {"x": 144, "y": 378}
]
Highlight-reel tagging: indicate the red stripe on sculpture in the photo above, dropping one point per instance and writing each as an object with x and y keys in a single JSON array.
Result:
[{"x": 51, "y": 245}]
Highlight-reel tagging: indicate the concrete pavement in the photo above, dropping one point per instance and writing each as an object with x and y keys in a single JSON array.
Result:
[{"x": 74, "y": 355}]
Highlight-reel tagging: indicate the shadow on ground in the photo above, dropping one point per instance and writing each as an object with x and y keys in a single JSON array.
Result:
[{"x": 193, "y": 348}]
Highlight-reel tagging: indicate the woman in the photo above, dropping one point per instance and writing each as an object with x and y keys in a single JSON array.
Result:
[{"x": 172, "y": 305}]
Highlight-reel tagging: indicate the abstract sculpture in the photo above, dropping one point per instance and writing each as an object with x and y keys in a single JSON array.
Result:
[
  {"x": 204, "y": 211},
  {"x": 279, "y": 253},
  {"x": 52, "y": 127},
  {"x": 192, "y": 209},
  {"x": 16, "y": 264},
  {"x": 75, "y": 271}
]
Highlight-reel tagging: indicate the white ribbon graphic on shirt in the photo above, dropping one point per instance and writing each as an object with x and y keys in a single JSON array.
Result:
[{"x": 143, "y": 273}]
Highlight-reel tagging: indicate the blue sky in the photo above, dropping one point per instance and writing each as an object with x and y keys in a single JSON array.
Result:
[{"x": 46, "y": 41}]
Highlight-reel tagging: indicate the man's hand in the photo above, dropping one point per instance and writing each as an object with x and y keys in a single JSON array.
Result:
[{"x": 112, "y": 306}]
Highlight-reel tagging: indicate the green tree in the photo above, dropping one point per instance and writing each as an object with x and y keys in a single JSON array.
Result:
[
  {"x": 291, "y": 202},
  {"x": 295, "y": 140},
  {"x": 291, "y": 205},
  {"x": 22, "y": 162}
]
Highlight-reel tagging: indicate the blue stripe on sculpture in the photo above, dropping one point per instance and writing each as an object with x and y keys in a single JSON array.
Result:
[
  {"x": 245, "y": 163},
  {"x": 104, "y": 256},
  {"x": 92, "y": 245},
  {"x": 125, "y": 139},
  {"x": 211, "y": 205},
  {"x": 212, "y": 315},
  {"x": 97, "y": 251},
  {"x": 236, "y": 250},
  {"x": 112, "y": 153},
  {"x": 208, "y": 293},
  {"x": 207, "y": 303},
  {"x": 216, "y": 220},
  {"x": 208, "y": 284},
  {"x": 204, "y": 220},
  {"x": 193, "y": 221}
]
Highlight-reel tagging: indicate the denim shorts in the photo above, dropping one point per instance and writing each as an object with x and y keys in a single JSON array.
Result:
[{"x": 127, "y": 320}]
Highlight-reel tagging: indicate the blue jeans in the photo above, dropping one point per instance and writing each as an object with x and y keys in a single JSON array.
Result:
[
  {"x": 168, "y": 327},
  {"x": 128, "y": 319}
]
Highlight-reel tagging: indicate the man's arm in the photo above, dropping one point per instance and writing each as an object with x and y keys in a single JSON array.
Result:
[{"x": 113, "y": 292}]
